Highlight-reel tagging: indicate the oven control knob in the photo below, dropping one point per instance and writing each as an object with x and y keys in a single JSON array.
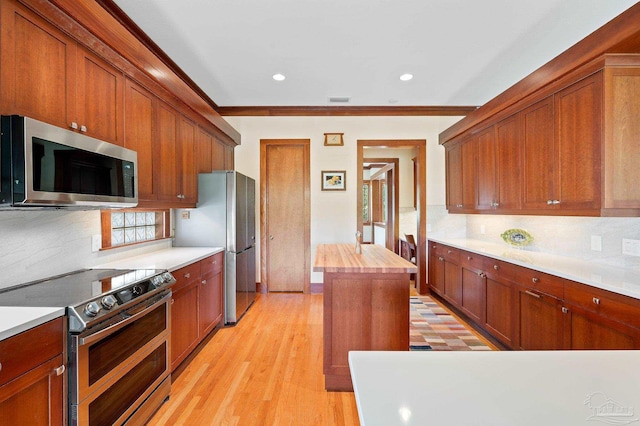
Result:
[
  {"x": 108, "y": 302},
  {"x": 136, "y": 290},
  {"x": 92, "y": 309}
]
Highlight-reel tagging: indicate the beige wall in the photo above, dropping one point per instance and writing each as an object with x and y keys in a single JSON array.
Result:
[{"x": 333, "y": 214}]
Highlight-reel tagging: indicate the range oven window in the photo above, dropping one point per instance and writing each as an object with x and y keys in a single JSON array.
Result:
[
  {"x": 111, "y": 352},
  {"x": 111, "y": 404},
  {"x": 65, "y": 169}
]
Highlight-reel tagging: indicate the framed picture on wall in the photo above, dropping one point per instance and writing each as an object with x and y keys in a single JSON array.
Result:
[{"x": 334, "y": 180}]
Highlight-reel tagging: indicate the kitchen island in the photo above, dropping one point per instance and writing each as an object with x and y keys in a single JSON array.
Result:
[{"x": 366, "y": 305}]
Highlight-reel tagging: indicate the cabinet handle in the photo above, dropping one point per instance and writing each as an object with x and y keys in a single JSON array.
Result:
[
  {"x": 536, "y": 295},
  {"x": 187, "y": 275},
  {"x": 204, "y": 282},
  {"x": 441, "y": 259},
  {"x": 480, "y": 274},
  {"x": 60, "y": 370},
  {"x": 549, "y": 202},
  {"x": 74, "y": 125},
  {"x": 535, "y": 280},
  {"x": 172, "y": 301},
  {"x": 596, "y": 300},
  {"x": 459, "y": 206},
  {"x": 496, "y": 267},
  {"x": 553, "y": 202},
  {"x": 0, "y": 366},
  {"x": 565, "y": 310},
  {"x": 449, "y": 251},
  {"x": 83, "y": 128},
  {"x": 468, "y": 257}
]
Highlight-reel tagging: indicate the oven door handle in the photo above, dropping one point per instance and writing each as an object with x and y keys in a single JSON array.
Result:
[{"x": 117, "y": 326}]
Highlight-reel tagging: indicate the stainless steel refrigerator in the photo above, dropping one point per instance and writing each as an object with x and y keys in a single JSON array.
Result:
[{"x": 225, "y": 217}]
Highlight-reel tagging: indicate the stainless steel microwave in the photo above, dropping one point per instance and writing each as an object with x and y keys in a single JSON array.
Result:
[{"x": 47, "y": 166}]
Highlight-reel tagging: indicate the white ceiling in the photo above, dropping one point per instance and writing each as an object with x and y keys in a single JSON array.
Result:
[{"x": 461, "y": 52}]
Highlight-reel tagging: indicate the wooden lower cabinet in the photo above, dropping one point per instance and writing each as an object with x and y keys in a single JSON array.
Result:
[
  {"x": 197, "y": 305},
  {"x": 472, "y": 286},
  {"x": 540, "y": 321},
  {"x": 32, "y": 379},
  {"x": 530, "y": 310}
]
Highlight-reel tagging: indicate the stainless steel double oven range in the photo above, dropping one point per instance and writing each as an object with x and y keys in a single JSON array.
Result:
[{"x": 118, "y": 340}]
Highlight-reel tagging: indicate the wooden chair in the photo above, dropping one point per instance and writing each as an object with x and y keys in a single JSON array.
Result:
[{"x": 408, "y": 250}]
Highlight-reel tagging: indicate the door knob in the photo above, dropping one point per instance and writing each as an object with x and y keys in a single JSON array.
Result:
[{"x": 271, "y": 237}]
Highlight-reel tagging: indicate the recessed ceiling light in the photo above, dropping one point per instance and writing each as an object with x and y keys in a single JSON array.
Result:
[
  {"x": 406, "y": 77},
  {"x": 278, "y": 77}
]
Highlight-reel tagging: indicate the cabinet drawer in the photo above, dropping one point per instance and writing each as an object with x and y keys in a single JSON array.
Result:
[
  {"x": 471, "y": 260},
  {"x": 449, "y": 253},
  {"x": 27, "y": 350},
  {"x": 212, "y": 265},
  {"x": 186, "y": 275},
  {"x": 539, "y": 281},
  {"x": 499, "y": 270},
  {"x": 615, "y": 306}
]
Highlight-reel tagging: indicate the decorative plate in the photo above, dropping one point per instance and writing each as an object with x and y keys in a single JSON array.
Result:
[{"x": 517, "y": 237}]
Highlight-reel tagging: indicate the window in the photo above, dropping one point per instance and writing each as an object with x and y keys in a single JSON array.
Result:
[{"x": 133, "y": 226}]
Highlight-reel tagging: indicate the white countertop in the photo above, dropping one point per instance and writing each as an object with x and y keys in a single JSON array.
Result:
[
  {"x": 171, "y": 259},
  {"x": 14, "y": 320},
  {"x": 617, "y": 280},
  {"x": 496, "y": 388}
]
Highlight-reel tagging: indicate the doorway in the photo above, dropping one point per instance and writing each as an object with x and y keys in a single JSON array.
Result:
[
  {"x": 420, "y": 180},
  {"x": 285, "y": 215}
]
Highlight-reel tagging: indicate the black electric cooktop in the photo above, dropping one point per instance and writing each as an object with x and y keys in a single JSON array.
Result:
[{"x": 73, "y": 289}]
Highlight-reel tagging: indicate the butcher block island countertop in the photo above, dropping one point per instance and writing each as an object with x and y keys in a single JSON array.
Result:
[
  {"x": 373, "y": 259},
  {"x": 365, "y": 305}
]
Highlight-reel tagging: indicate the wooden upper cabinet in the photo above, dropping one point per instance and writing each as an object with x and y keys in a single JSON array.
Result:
[
  {"x": 167, "y": 170},
  {"x": 204, "y": 150},
  {"x": 176, "y": 168},
  {"x": 218, "y": 155},
  {"x": 38, "y": 64},
  {"x": 48, "y": 76},
  {"x": 508, "y": 163},
  {"x": 538, "y": 164},
  {"x": 578, "y": 125},
  {"x": 453, "y": 158},
  {"x": 469, "y": 173},
  {"x": 99, "y": 98},
  {"x": 487, "y": 170},
  {"x": 186, "y": 150},
  {"x": 139, "y": 111},
  {"x": 622, "y": 140}
]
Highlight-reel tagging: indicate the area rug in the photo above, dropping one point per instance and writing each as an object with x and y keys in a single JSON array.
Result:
[{"x": 434, "y": 328}]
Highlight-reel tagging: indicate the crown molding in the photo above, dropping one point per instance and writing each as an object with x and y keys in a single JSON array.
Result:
[{"x": 261, "y": 111}]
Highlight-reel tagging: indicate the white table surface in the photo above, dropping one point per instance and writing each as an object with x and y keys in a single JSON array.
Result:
[
  {"x": 496, "y": 388},
  {"x": 14, "y": 320},
  {"x": 618, "y": 280}
]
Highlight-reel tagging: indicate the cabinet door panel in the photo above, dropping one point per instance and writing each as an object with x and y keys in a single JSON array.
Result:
[
  {"x": 184, "y": 323},
  {"x": 100, "y": 92},
  {"x": 139, "y": 118},
  {"x": 541, "y": 323},
  {"x": 218, "y": 155},
  {"x": 454, "y": 177},
  {"x": 452, "y": 283},
  {"x": 509, "y": 163},
  {"x": 499, "y": 310},
  {"x": 204, "y": 149},
  {"x": 469, "y": 174},
  {"x": 35, "y": 398},
  {"x": 37, "y": 67},
  {"x": 538, "y": 165},
  {"x": 578, "y": 112},
  {"x": 487, "y": 170},
  {"x": 186, "y": 147},
  {"x": 167, "y": 172},
  {"x": 210, "y": 302},
  {"x": 473, "y": 290}
]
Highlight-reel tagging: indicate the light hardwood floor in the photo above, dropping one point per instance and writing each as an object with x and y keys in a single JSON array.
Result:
[{"x": 267, "y": 370}]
